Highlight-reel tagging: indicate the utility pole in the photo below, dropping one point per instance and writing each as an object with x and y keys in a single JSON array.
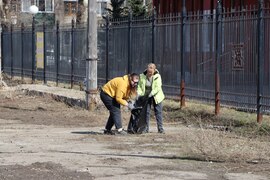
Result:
[{"x": 91, "y": 58}]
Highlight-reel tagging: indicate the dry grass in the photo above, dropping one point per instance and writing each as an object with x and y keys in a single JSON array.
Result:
[
  {"x": 240, "y": 140},
  {"x": 198, "y": 114},
  {"x": 3, "y": 84},
  {"x": 221, "y": 146}
]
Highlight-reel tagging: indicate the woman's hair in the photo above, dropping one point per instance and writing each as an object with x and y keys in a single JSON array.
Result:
[{"x": 152, "y": 64}]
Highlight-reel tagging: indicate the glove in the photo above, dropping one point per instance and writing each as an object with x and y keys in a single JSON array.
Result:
[{"x": 130, "y": 106}]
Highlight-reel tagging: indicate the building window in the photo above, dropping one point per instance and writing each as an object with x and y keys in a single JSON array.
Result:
[
  {"x": 43, "y": 5},
  {"x": 26, "y": 4},
  {"x": 49, "y": 5},
  {"x": 101, "y": 7}
]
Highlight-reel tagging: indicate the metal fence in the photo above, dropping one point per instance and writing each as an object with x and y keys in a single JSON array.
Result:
[{"x": 215, "y": 57}]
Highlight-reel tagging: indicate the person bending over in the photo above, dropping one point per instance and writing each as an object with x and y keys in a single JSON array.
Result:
[{"x": 115, "y": 93}]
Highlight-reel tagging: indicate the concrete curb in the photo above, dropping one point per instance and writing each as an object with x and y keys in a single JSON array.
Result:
[{"x": 73, "y": 102}]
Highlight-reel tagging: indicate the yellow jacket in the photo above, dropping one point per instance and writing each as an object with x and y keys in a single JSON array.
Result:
[{"x": 118, "y": 88}]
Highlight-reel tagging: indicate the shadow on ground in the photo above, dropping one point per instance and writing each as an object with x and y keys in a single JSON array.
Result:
[{"x": 87, "y": 132}]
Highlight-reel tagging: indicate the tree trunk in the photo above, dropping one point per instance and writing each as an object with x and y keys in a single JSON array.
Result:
[
  {"x": 2, "y": 83},
  {"x": 2, "y": 14},
  {"x": 1, "y": 10},
  {"x": 59, "y": 9}
]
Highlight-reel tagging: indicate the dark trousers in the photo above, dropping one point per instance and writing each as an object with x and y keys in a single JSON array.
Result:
[
  {"x": 158, "y": 114},
  {"x": 115, "y": 113}
]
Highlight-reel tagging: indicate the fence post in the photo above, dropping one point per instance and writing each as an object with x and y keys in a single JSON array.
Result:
[
  {"x": 72, "y": 53},
  {"x": 33, "y": 49},
  {"x": 153, "y": 34},
  {"x": 183, "y": 32},
  {"x": 11, "y": 51},
  {"x": 22, "y": 49},
  {"x": 44, "y": 53},
  {"x": 218, "y": 55},
  {"x": 260, "y": 60},
  {"x": 57, "y": 52},
  {"x": 129, "y": 41},
  {"x": 107, "y": 48}
]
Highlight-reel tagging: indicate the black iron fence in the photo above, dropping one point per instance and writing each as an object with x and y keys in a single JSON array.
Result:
[
  {"x": 45, "y": 53},
  {"x": 214, "y": 57}
]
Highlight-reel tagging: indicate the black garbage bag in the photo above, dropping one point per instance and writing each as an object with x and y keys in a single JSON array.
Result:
[{"x": 137, "y": 123}]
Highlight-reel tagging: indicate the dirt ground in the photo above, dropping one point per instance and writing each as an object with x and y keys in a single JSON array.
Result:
[{"x": 44, "y": 139}]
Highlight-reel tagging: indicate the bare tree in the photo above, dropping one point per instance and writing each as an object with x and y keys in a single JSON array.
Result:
[
  {"x": 3, "y": 12},
  {"x": 2, "y": 83},
  {"x": 59, "y": 9},
  {"x": 1, "y": 8}
]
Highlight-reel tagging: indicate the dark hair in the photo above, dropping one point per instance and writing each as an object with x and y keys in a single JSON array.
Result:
[
  {"x": 133, "y": 90},
  {"x": 134, "y": 75}
]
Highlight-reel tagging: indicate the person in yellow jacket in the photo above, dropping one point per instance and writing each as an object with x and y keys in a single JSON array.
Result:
[
  {"x": 150, "y": 85},
  {"x": 115, "y": 93}
]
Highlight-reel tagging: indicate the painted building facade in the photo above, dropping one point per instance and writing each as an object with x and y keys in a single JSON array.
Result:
[
  {"x": 175, "y": 6},
  {"x": 17, "y": 11}
]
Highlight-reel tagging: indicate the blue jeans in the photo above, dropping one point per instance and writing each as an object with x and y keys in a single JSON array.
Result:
[
  {"x": 158, "y": 114},
  {"x": 115, "y": 113}
]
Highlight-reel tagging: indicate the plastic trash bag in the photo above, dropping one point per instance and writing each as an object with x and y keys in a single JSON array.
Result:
[{"x": 137, "y": 123}]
